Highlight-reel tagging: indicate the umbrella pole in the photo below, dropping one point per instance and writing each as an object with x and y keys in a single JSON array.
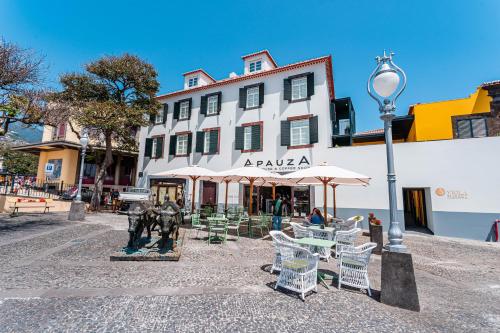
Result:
[
  {"x": 251, "y": 197},
  {"x": 227, "y": 185},
  {"x": 334, "y": 187},
  {"x": 193, "y": 179},
  {"x": 325, "y": 183},
  {"x": 274, "y": 191}
]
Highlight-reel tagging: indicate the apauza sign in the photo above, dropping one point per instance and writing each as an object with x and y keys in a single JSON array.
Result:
[{"x": 286, "y": 164}]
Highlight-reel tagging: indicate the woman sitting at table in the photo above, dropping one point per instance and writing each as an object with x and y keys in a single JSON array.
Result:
[{"x": 316, "y": 217}]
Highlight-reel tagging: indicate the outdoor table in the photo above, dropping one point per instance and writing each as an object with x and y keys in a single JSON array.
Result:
[
  {"x": 318, "y": 243},
  {"x": 218, "y": 222},
  {"x": 330, "y": 230}
]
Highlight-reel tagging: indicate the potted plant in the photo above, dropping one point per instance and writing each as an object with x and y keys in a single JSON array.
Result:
[{"x": 376, "y": 235}]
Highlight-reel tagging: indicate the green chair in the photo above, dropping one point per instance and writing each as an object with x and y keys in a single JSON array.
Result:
[
  {"x": 217, "y": 226},
  {"x": 196, "y": 223},
  {"x": 235, "y": 224},
  {"x": 264, "y": 221}
]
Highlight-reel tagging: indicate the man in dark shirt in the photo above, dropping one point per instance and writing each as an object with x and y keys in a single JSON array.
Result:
[
  {"x": 277, "y": 212},
  {"x": 114, "y": 200}
]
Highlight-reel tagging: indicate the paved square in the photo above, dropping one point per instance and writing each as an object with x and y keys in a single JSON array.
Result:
[{"x": 56, "y": 276}]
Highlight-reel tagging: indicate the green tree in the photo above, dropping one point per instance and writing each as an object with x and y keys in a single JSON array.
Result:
[
  {"x": 111, "y": 100},
  {"x": 18, "y": 162}
]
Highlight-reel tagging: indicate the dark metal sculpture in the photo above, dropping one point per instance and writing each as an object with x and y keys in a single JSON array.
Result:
[{"x": 169, "y": 219}]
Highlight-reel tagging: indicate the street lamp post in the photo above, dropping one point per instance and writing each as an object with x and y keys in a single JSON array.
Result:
[
  {"x": 398, "y": 286},
  {"x": 84, "y": 141},
  {"x": 385, "y": 85}
]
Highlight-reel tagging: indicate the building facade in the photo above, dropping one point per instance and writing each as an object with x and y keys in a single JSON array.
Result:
[{"x": 283, "y": 118}]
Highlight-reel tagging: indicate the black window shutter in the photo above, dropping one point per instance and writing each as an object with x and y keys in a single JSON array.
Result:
[
  {"x": 310, "y": 84},
  {"x": 261, "y": 94},
  {"x": 214, "y": 141},
  {"x": 173, "y": 144},
  {"x": 165, "y": 112},
  {"x": 285, "y": 133},
  {"x": 152, "y": 118},
  {"x": 256, "y": 144},
  {"x": 243, "y": 98},
  {"x": 203, "y": 105},
  {"x": 313, "y": 129},
  {"x": 149, "y": 148},
  {"x": 200, "y": 137},
  {"x": 190, "y": 142},
  {"x": 333, "y": 115},
  {"x": 239, "y": 138},
  {"x": 287, "y": 89},
  {"x": 190, "y": 107},
  {"x": 176, "y": 110},
  {"x": 219, "y": 102},
  {"x": 159, "y": 147}
]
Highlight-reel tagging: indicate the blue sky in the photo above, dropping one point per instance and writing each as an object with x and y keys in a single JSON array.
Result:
[{"x": 447, "y": 48}]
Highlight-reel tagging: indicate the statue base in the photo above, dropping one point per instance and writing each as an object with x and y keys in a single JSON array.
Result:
[
  {"x": 149, "y": 250},
  {"x": 77, "y": 211},
  {"x": 398, "y": 287}
]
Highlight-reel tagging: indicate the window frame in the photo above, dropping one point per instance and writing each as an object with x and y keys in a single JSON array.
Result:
[
  {"x": 304, "y": 118},
  {"x": 206, "y": 132},
  {"x": 193, "y": 82},
  {"x": 181, "y": 104},
  {"x": 301, "y": 87},
  {"x": 178, "y": 136},
  {"x": 257, "y": 123},
  {"x": 254, "y": 63},
  {"x": 159, "y": 114},
  {"x": 154, "y": 144},
  {"x": 471, "y": 128},
  {"x": 255, "y": 97},
  {"x": 215, "y": 105}
]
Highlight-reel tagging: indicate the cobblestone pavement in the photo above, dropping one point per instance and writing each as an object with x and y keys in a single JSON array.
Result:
[{"x": 56, "y": 276}]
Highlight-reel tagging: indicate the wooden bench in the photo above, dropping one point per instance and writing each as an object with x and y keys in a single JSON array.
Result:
[{"x": 16, "y": 205}]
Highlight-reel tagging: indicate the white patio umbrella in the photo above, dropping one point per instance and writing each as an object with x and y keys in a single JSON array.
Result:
[
  {"x": 192, "y": 172},
  {"x": 325, "y": 174},
  {"x": 249, "y": 174}
]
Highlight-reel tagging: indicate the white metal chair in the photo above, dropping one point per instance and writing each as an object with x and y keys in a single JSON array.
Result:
[
  {"x": 345, "y": 240},
  {"x": 300, "y": 231},
  {"x": 278, "y": 238},
  {"x": 299, "y": 269},
  {"x": 353, "y": 266}
]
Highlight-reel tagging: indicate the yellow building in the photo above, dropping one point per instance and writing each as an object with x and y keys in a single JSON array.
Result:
[
  {"x": 60, "y": 148},
  {"x": 474, "y": 116}
]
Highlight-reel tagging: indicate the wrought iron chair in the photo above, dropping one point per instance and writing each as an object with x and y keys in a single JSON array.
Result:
[
  {"x": 300, "y": 231},
  {"x": 353, "y": 266}
]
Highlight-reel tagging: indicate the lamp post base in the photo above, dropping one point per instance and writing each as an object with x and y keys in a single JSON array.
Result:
[
  {"x": 77, "y": 211},
  {"x": 398, "y": 287}
]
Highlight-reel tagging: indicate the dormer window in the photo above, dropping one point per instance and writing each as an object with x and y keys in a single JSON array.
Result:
[
  {"x": 255, "y": 66},
  {"x": 193, "y": 82}
]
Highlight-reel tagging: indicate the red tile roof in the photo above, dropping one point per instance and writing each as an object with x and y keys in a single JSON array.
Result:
[
  {"x": 327, "y": 60},
  {"x": 266, "y": 52},
  {"x": 491, "y": 83}
]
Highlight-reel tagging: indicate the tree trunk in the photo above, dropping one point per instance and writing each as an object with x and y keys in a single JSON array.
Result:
[{"x": 107, "y": 161}]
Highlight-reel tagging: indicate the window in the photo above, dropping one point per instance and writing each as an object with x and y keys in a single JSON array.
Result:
[
  {"x": 213, "y": 102},
  {"x": 255, "y": 66},
  {"x": 299, "y": 88},
  {"x": 159, "y": 118},
  {"x": 206, "y": 143},
  {"x": 193, "y": 82},
  {"x": 184, "y": 110},
  {"x": 182, "y": 145},
  {"x": 252, "y": 97},
  {"x": 344, "y": 126},
  {"x": 247, "y": 138},
  {"x": 299, "y": 132},
  {"x": 472, "y": 128}
]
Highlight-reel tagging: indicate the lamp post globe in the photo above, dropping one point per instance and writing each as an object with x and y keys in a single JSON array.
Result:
[
  {"x": 385, "y": 85},
  {"x": 84, "y": 141}
]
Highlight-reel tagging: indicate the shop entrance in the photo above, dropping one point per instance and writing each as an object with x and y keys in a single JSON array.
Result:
[
  {"x": 174, "y": 188},
  {"x": 415, "y": 210},
  {"x": 297, "y": 197}
]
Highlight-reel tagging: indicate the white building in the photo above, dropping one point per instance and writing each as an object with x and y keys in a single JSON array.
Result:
[{"x": 285, "y": 118}]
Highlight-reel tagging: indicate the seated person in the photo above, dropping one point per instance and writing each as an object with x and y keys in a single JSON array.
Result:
[{"x": 316, "y": 217}]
